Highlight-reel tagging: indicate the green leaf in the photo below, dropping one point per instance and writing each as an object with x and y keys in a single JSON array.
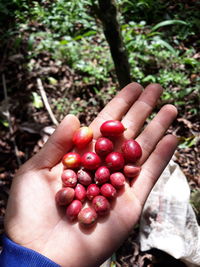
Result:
[
  {"x": 166, "y": 45},
  {"x": 149, "y": 78},
  {"x": 188, "y": 142},
  {"x": 190, "y": 61},
  {"x": 52, "y": 80},
  {"x": 179, "y": 103},
  {"x": 167, "y": 23},
  {"x": 166, "y": 95},
  {"x": 64, "y": 42},
  {"x": 150, "y": 34},
  {"x": 87, "y": 34},
  {"x": 37, "y": 101},
  {"x": 5, "y": 123}
]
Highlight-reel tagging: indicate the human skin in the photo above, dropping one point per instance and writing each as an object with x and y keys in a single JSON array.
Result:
[{"x": 33, "y": 219}]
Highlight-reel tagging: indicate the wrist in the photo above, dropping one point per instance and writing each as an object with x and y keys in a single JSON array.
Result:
[{"x": 14, "y": 254}]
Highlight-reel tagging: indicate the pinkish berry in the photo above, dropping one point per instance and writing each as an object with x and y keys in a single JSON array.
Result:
[
  {"x": 115, "y": 161},
  {"x": 87, "y": 216},
  {"x": 108, "y": 190},
  {"x": 102, "y": 175},
  {"x": 80, "y": 192},
  {"x": 131, "y": 170},
  {"x": 103, "y": 146},
  {"x": 69, "y": 178},
  {"x": 92, "y": 191},
  {"x": 117, "y": 179},
  {"x": 73, "y": 209},
  {"x": 101, "y": 205},
  {"x": 64, "y": 196},
  {"x": 84, "y": 177}
]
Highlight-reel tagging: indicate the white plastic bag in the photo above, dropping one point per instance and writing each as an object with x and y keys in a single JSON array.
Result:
[{"x": 168, "y": 221}]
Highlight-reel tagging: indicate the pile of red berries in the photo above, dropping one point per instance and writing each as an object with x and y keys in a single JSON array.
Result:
[{"x": 96, "y": 177}]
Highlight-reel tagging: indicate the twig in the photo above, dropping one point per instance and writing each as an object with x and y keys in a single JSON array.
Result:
[
  {"x": 7, "y": 114},
  {"x": 45, "y": 101}
]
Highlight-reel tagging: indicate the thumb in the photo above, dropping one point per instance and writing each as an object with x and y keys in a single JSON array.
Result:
[{"x": 57, "y": 145}]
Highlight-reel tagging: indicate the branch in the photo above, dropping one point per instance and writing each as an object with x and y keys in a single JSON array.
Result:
[
  {"x": 45, "y": 101},
  {"x": 108, "y": 16}
]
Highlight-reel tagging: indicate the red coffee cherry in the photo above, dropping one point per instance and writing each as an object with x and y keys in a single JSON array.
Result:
[
  {"x": 69, "y": 178},
  {"x": 90, "y": 160},
  {"x": 80, "y": 192},
  {"x": 101, "y": 205},
  {"x": 131, "y": 150},
  {"x": 117, "y": 179},
  {"x": 108, "y": 190},
  {"x": 84, "y": 177},
  {"x": 115, "y": 161},
  {"x": 82, "y": 137},
  {"x": 102, "y": 175},
  {"x": 64, "y": 196},
  {"x": 73, "y": 209},
  {"x": 131, "y": 170},
  {"x": 87, "y": 217},
  {"x": 103, "y": 146},
  {"x": 112, "y": 128},
  {"x": 92, "y": 191},
  {"x": 71, "y": 160}
]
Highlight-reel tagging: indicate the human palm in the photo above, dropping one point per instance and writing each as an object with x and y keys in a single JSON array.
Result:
[{"x": 34, "y": 220}]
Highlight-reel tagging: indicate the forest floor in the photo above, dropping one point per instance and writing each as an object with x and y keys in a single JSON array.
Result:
[{"x": 29, "y": 129}]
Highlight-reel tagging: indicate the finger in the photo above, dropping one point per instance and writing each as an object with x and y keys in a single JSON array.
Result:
[
  {"x": 118, "y": 106},
  {"x": 140, "y": 110},
  {"x": 57, "y": 145},
  {"x": 153, "y": 167},
  {"x": 153, "y": 133}
]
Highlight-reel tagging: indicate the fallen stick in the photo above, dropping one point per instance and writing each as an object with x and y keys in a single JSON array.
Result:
[{"x": 45, "y": 101}]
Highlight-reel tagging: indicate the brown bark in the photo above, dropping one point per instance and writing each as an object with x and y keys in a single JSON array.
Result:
[{"x": 108, "y": 16}]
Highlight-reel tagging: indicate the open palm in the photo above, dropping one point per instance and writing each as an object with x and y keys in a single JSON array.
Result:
[{"x": 32, "y": 218}]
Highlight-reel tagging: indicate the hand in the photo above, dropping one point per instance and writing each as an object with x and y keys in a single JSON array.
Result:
[{"x": 32, "y": 218}]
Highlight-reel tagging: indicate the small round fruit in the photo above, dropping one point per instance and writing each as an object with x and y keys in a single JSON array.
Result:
[
  {"x": 87, "y": 216},
  {"x": 108, "y": 190},
  {"x": 73, "y": 209},
  {"x": 103, "y": 146},
  {"x": 82, "y": 137},
  {"x": 112, "y": 128},
  {"x": 92, "y": 191},
  {"x": 117, "y": 179},
  {"x": 90, "y": 160},
  {"x": 71, "y": 160},
  {"x": 80, "y": 192},
  {"x": 131, "y": 150},
  {"x": 84, "y": 177},
  {"x": 115, "y": 161},
  {"x": 101, "y": 205},
  {"x": 69, "y": 178},
  {"x": 64, "y": 196},
  {"x": 102, "y": 175},
  {"x": 131, "y": 170}
]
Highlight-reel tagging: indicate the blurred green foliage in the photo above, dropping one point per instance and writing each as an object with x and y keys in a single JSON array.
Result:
[{"x": 161, "y": 38}]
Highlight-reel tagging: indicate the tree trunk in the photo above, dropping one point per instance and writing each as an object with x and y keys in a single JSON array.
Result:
[{"x": 108, "y": 16}]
